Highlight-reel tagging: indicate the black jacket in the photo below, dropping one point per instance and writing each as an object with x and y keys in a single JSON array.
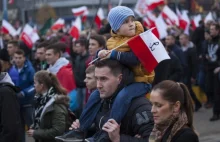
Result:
[
  {"x": 138, "y": 120},
  {"x": 10, "y": 122},
  {"x": 183, "y": 135}
]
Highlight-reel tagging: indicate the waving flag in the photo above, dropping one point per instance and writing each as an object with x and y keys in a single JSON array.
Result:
[
  {"x": 170, "y": 17},
  {"x": 152, "y": 4},
  {"x": 99, "y": 17},
  {"x": 76, "y": 28},
  {"x": 79, "y": 11},
  {"x": 209, "y": 17},
  {"x": 59, "y": 24},
  {"x": 7, "y": 28},
  {"x": 29, "y": 36},
  {"x": 149, "y": 50},
  {"x": 195, "y": 21}
]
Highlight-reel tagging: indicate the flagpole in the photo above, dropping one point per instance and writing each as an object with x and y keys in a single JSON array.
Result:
[
  {"x": 92, "y": 25},
  {"x": 120, "y": 2},
  {"x": 120, "y": 45}
]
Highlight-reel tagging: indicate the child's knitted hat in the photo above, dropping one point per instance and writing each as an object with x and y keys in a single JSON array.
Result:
[{"x": 117, "y": 16}]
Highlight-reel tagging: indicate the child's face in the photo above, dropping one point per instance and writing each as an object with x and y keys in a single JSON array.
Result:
[{"x": 128, "y": 27}]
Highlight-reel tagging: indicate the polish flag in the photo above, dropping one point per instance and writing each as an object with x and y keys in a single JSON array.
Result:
[
  {"x": 161, "y": 28},
  {"x": 152, "y": 4},
  {"x": 209, "y": 17},
  {"x": 29, "y": 36},
  {"x": 84, "y": 16},
  {"x": 195, "y": 21},
  {"x": 170, "y": 17},
  {"x": 147, "y": 22},
  {"x": 79, "y": 11},
  {"x": 99, "y": 17},
  {"x": 183, "y": 19},
  {"x": 7, "y": 28},
  {"x": 150, "y": 50},
  {"x": 59, "y": 24},
  {"x": 141, "y": 8},
  {"x": 76, "y": 28}
]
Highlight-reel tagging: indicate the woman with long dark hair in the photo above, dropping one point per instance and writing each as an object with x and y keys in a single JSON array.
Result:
[
  {"x": 172, "y": 110},
  {"x": 51, "y": 108}
]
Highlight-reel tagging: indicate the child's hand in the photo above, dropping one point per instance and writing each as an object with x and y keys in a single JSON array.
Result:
[{"x": 103, "y": 53}]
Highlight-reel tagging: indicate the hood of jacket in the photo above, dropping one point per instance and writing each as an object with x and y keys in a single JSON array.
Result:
[
  {"x": 5, "y": 78},
  {"x": 59, "y": 64}
]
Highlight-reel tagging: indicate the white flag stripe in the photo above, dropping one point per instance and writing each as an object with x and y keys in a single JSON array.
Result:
[
  {"x": 9, "y": 27},
  {"x": 161, "y": 27},
  {"x": 172, "y": 16},
  {"x": 209, "y": 17},
  {"x": 150, "y": 39},
  {"x": 79, "y": 9},
  {"x": 31, "y": 33},
  {"x": 100, "y": 14}
]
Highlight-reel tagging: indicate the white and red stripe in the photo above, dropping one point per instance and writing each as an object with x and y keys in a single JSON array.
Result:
[
  {"x": 79, "y": 11},
  {"x": 161, "y": 28},
  {"x": 99, "y": 17},
  {"x": 84, "y": 16},
  {"x": 150, "y": 50},
  {"x": 7, "y": 28},
  {"x": 195, "y": 21},
  {"x": 141, "y": 8},
  {"x": 29, "y": 36},
  {"x": 152, "y": 4},
  {"x": 59, "y": 24},
  {"x": 170, "y": 17},
  {"x": 76, "y": 28}
]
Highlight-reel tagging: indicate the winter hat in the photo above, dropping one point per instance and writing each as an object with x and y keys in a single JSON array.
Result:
[
  {"x": 117, "y": 16},
  {"x": 4, "y": 55}
]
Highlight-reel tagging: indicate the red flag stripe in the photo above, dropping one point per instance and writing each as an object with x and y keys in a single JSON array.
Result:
[
  {"x": 154, "y": 5},
  {"x": 143, "y": 53}
]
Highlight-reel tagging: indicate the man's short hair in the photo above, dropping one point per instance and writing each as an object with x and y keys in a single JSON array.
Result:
[
  {"x": 172, "y": 36},
  {"x": 115, "y": 66},
  {"x": 100, "y": 39},
  {"x": 217, "y": 26},
  {"x": 44, "y": 44},
  {"x": 56, "y": 47},
  {"x": 82, "y": 41},
  {"x": 14, "y": 43},
  {"x": 90, "y": 69},
  {"x": 20, "y": 52},
  {"x": 185, "y": 35}
]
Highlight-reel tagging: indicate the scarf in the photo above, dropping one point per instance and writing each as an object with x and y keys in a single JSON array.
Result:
[
  {"x": 41, "y": 101},
  {"x": 177, "y": 121}
]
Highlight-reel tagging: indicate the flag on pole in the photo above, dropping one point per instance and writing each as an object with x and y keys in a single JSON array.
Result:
[
  {"x": 170, "y": 17},
  {"x": 59, "y": 24},
  {"x": 149, "y": 50},
  {"x": 29, "y": 36},
  {"x": 152, "y": 4},
  {"x": 7, "y": 28},
  {"x": 99, "y": 17},
  {"x": 76, "y": 28},
  {"x": 79, "y": 11},
  {"x": 195, "y": 21},
  {"x": 209, "y": 17}
]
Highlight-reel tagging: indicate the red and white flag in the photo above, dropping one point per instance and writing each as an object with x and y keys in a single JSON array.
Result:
[
  {"x": 170, "y": 17},
  {"x": 184, "y": 21},
  {"x": 59, "y": 24},
  {"x": 209, "y": 17},
  {"x": 99, "y": 17},
  {"x": 152, "y": 4},
  {"x": 79, "y": 11},
  {"x": 7, "y": 28},
  {"x": 195, "y": 21},
  {"x": 29, "y": 36},
  {"x": 84, "y": 16},
  {"x": 149, "y": 50},
  {"x": 161, "y": 28},
  {"x": 141, "y": 8},
  {"x": 76, "y": 28}
]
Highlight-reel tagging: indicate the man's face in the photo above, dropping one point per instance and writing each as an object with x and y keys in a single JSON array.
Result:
[
  {"x": 93, "y": 47},
  {"x": 90, "y": 81},
  {"x": 78, "y": 48},
  {"x": 169, "y": 41},
  {"x": 11, "y": 49},
  {"x": 183, "y": 40},
  {"x": 51, "y": 57},
  {"x": 19, "y": 60},
  {"x": 213, "y": 31},
  {"x": 41, "y": 53},
  {"x": 107, "y": 83}
]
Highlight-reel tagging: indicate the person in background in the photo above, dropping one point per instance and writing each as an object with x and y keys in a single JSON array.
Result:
[
  {"x": 10, "y": 122},
  {"x": 12, "y": 47},
  {"x": 172, "y": 110},
  {"x": 50, "y": 109}
]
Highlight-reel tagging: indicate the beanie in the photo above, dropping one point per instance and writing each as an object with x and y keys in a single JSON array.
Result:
[
  {"x": 118, "y": 15},
  {"x": 4, "y": 55}
]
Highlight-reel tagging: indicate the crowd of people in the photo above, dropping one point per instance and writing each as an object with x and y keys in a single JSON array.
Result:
[{"x": 53, "y": 93}]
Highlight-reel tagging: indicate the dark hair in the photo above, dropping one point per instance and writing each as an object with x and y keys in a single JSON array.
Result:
[
  {"x": 173, "y": 92},
  {"x": 0, "y": 67},
  {"x": 50, "y": 80},
  {"x": 82, "y": 41},
  {"x": 20, "y": 52},
  {"x": 44, "y": 44},
  {"x": 56, "y": 47},
  {"x": 90, "y": 69},
  {"x": 217, "y": 26},
  {"x": 172, "y": 36},
  {"x": 185, "y": 35},
  {"x": 14, "y": 43},
  {"x": 117, "y": 68},
  {"x": 100, "y": 39}
]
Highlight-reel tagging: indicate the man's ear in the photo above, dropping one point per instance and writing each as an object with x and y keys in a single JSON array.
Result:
[{"x": 119, "y": 78}]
